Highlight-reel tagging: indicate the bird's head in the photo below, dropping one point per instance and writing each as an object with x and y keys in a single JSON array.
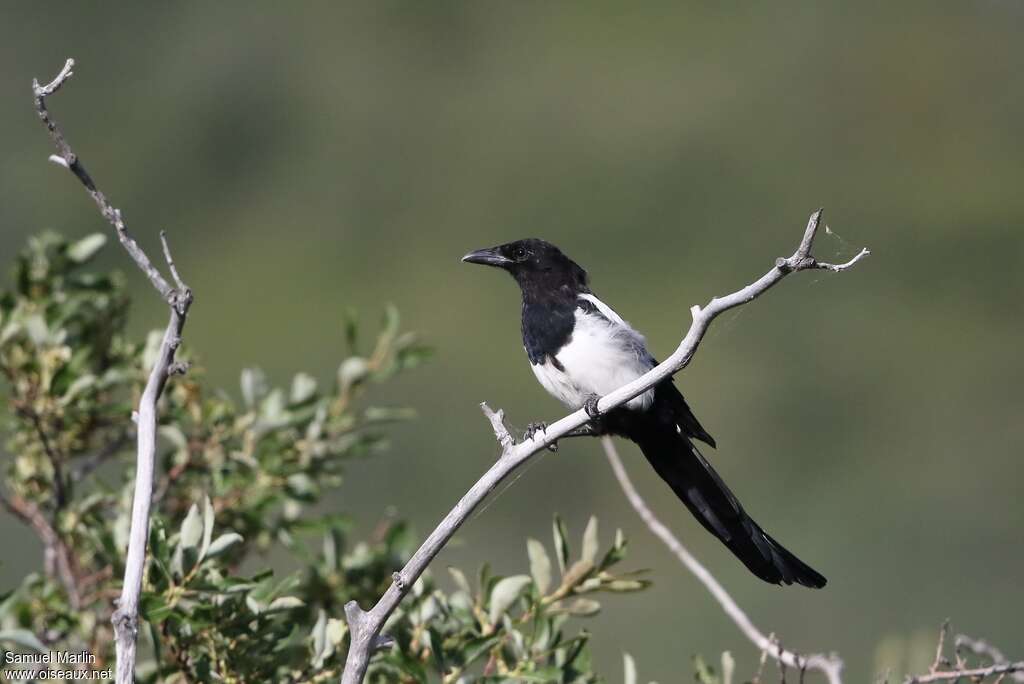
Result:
[{"x": 532, "y": 262}]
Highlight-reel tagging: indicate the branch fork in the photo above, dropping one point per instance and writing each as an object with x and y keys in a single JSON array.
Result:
[{"x": 179, "y": 298}]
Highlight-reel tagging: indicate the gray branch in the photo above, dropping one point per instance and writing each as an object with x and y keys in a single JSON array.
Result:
[
  {"x": 365, "y": 626},
  {"x": 830, "y": 665},
  {"x": 980, "y": 647},
  {"x": 179, "y": 297},
  {"x": 975, "y": 673}
]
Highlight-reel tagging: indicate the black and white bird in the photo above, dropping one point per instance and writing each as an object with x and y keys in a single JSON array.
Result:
[{"x": 580, "y": 349}]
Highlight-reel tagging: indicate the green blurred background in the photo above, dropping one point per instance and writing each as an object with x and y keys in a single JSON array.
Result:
[{"x": 307, "y": 158}]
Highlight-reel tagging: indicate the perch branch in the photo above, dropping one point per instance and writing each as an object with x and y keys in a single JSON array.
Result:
[
  {"x": 365, "y": 626},
  {"x": 179, "y": 298},
  {"x": 830, "y": 665}
]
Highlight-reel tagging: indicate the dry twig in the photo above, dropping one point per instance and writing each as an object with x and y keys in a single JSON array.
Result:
[
  {"x": 942, "y": 670},
  {"x": 981, "y": 647},
  {"x": 179, "y": 299}
]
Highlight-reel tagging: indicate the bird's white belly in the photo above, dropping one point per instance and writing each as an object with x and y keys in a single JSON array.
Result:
[{"x": 598, "y": 359}]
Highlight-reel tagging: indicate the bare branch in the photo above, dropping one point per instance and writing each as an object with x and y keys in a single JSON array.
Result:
[
  {"x": 126, "y": 617},
  {"x": 982, "y": 648},
  {"x": 940, "y": 658},
  {"x": 368, "y": 624},
  {"x": 170, "y": 262},
  {"x": 830, "y": 665},
  {"x": 999, "y": 668},
  {"x": 60, "y": 489},
  {"x": 977, "y": 673},
  {"x": 837, "y": 268},
  {"x": 59, "y": 560},
  {"x": 70, "y": 160},
  {"x": 501, "y": 433}
]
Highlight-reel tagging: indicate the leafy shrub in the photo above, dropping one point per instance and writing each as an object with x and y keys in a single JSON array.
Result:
[{"x": 239, "y": 489}]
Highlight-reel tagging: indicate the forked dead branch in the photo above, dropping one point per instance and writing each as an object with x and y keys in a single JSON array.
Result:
[{"x": 179, "y": 299}]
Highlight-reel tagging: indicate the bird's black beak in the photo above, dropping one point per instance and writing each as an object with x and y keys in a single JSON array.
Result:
[{"x": 488, "y": 257}]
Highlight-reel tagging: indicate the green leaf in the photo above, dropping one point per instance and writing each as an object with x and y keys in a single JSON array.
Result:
[
  {"x": 301, "y": 486},
  {"x": 477, "y": 647},
  {"x": 583, "y": 607},
  {"x": 391, "y": 321},
  {"x": 350, "y": 328},
  {"x": 83, "y": 250},
  {"x": 704, "y": 674},
  {"x": 540, "y": 565},
  {"x": 351, "y": 371},
  {"x": 35, "y": 326},
  {"x": 561, "y": 545},
  {"x": 272, "y": 409},
  {"x": 336, "y": 631},
  {"x": 322, "y": 648},
  {"x": 460, "y": 581},
  {"x": 154, "y": 608},
  {"x": 207, "y": 527},
  {"x": 616, "y": 553},
  {"x": 590, "y": 542},
  {"x": 303, "y": 388},
  {"x": 191, "y": 528},
  {"x": 23, "y": 637},
  {"x": 504, "y": 594},
  {"x": 285, "y": 603},
  {"x": 79, "y": 385},
  {"x": 254, "y": 386},
  {"x": 577, "y": 572},
  {"x": 626, "y": 585},
  {"x": 223, "y": 543}
]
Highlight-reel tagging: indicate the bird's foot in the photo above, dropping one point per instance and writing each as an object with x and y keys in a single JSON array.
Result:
[
  {"x": 590, "y": 406},
  {"x": 533, "y": 428}
]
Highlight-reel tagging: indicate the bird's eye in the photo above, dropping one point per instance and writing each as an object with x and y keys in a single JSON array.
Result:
[{"x": 520, "y": 253}]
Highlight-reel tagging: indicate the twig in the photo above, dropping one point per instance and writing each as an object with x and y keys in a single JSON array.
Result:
[
  {"x": 977, "y": 673},
  {"x": 85, "y": 467},
  {"x": 59, "y": 560},
  {"x": 365, "y": 626},
  {"x": 59, "y": 486},
  {"x": 830, "y": 665},
  {"x": 126, "y": 617},
  {"x": 940, "y": 658},
  {"x": 980, "y": 647},
  {"x": 763, "y": 659},
  {"x": 67, "y": 158}
]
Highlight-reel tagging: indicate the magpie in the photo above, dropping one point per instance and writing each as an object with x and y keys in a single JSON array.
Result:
[{"x": 580, "y": 350}]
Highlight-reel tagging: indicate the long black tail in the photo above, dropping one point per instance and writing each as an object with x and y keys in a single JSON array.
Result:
[{"x": 695, "y": 482}]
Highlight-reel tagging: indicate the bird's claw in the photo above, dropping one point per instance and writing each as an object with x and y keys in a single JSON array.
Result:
[
  {"x": 590, "y": 406},
  {"x": 533, "y": 428}
]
